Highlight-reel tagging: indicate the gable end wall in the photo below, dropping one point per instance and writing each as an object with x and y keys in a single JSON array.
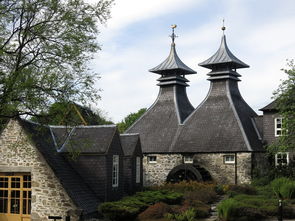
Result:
[{"x": 17, "y": 154}]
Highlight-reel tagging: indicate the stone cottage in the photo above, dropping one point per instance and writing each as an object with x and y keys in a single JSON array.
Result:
[
  {"x": 220, "y": 140},
  {"x": 60, "y": 171}
]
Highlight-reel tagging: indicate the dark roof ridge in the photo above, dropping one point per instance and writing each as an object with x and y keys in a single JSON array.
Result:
[
  {"x": 130, "y": 134},
  {"x": 256, "y": 129},
  {"x": 247, "y": 142},
  {"x": 96, "y": 126}
]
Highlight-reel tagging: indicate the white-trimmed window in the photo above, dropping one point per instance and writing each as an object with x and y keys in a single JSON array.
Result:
[
  {"x": 138, "y": 163},
  {"x": 115, "y": 171},
  {"x": 229, "y": 159},
  {"x": 278, "y": 126},
  {"x": 152, "y": 159},
  {"x": 188, "y": 159},
  {"x": 282, "y": 158}
]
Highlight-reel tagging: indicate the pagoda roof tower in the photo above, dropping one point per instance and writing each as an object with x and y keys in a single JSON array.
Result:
[
  {"x": 158, "y": 126},
  {"x": 223, "y": 122}
]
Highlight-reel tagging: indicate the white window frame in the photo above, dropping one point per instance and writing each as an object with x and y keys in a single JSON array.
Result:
[
  {"x": 227, "y": 160},
  {"x": 115, "y": 171},
  {"x": 278, "y": 129},
  {"x": 279, "y": 158},
  {"x": 152, "y": 159},
  {"x": 138, "y": 167},
  {"x": 188, "y": 158}
]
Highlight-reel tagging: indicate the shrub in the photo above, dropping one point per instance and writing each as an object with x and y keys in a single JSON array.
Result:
[
  {"x": 155, "y": 211},
  {"x": 202, "y": 209},
  {"x": 187, "y": 215},
  {"x": 284, "y": 188},
  {"x": 129, "y": 207},
  {"x": 206, "y": 196},
  {"x": 228, "y": 209},
  {"x": 261, "y": 181}
]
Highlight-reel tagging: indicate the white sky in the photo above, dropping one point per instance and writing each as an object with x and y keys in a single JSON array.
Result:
[{"x": 260, "y": 33}]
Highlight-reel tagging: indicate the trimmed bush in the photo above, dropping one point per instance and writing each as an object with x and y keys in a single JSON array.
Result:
[
  {"x": 155, "y": 211},
  {"x": 129, "y": 207}
]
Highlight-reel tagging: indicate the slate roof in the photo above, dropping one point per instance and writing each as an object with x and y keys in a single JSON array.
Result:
[
  {"x": 60, "y": 134},
  {"x": 159, "y": 124},
  {"x": 89, "y": 139},
  {"x": 73, "y": 184},
  {"x": 223, "y": 56},
  {"x": 222, "y": 123},
  {"x": 129, "y": 143},
  {"x": 172, "y": 65},
  {"x": 270, "y": 107}
]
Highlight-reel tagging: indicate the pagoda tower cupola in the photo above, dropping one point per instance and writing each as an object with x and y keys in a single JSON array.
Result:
[
  {"x": 172, "y": 70},
  {"x": 223, "y": 63}
]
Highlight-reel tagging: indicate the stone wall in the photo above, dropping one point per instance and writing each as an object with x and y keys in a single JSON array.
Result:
[
  {"x": 156, "y": 173},
  {"x": 17, "y": 154},
  {"x": 240, "y": 172}
]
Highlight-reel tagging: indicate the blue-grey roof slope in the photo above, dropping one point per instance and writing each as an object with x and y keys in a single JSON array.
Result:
[
  {"x": 129, "y": 143},
  {"x": 270, "y": 107},
  {"x": 90, "y": 139},
  {"x": 172, "y": 65},
  {"x": 72, "y": 182},
  {"x": 223, "y": 56}
]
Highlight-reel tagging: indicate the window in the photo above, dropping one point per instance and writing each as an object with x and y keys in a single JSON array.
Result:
[
  {"x": 138, "y": 162},
  {"x": 15, "y": 196},
  {"x": 152, "y": 159},
  {"x": 188, "y": 159},
  {"x": 282, "y": 159},
  {"x": 229, "y": 159},
  {"x": 115, "y": 172},
  {"x": 278, "y": 126}
]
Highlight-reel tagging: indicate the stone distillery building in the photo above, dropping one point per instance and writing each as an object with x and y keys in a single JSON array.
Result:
[{"x": 222, "y": 139}]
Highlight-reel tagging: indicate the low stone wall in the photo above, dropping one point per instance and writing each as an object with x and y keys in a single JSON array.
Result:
[
  {"x": 240, "y": 171},
  {"x": 18, "y": 155}
]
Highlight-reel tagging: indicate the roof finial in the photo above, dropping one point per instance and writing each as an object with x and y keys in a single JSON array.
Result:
[
  {"x": 223, "y": 27},
  {"x": 173, "y": 36}
]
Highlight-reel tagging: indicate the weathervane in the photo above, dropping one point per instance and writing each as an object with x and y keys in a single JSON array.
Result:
[
  {"x": 173, "y": 36},
  {"x": 223, "y": 27}
]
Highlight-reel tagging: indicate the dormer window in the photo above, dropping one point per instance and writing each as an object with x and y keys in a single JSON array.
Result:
[
  {"x": 278, "y": 126},
  {"x": 188, "y": 159}
]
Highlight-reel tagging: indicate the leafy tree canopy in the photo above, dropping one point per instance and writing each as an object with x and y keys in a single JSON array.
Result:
[
  {"x": 130, "y": 119},
  {"x": 44, "y": 49},
  {"x": 71, "y": 114},
  {"x": 285, "y": 103}
]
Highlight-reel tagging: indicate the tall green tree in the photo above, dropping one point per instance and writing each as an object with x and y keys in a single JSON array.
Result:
[
  {"x": 285, "y": 103},
  {"x": 44, "y": 49},
  {"x": 130, "y": 119}
]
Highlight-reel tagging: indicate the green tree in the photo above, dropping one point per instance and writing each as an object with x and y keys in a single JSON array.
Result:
[
  {"x": 44, "y": 49},
  {"x": 130, "y": 119},
  {"x": 285, "y": 103},
  {"x": 71, "y": 114}
]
